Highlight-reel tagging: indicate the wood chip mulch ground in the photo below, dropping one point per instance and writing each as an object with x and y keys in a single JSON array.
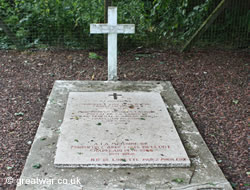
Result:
[{"x": 211, "y": 83}]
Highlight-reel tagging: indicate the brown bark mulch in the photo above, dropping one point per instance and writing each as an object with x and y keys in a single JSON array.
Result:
[{"x": 211, "y": 83}]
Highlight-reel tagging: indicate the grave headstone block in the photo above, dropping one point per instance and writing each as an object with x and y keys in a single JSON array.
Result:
[{"x": 118, "y": 129}]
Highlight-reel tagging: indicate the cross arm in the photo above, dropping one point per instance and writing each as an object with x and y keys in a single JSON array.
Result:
[{"x": 112, "y": 29}]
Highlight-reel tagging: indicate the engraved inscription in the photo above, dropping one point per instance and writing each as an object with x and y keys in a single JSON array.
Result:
[{"x": 114, "y": 112}]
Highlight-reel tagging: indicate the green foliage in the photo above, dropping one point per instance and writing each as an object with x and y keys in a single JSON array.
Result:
[
  {"x": 174, "y": 19},
  {"x": 43, "y": 23},
  {"x": 51, "y": 20},
  {"x": 133, "y": 11},
  {"x": 94, "y": 56},
  {"x": 37, "y": 166},
  {"x": 19, "y": 114},
  {"x": 178, "y": 180}
]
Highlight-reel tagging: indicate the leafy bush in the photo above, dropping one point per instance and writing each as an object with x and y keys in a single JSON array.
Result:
[
  {"x": 66, "y": 22},
  {"x": 173, "y": 19},
  {"x": 53, "y": 21}
]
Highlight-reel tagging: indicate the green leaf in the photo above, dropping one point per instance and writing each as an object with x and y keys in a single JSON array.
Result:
[
  {"x": 196, "y": 7},
  {"x": 43, "y": 139},
  {"x": 94, "y": 56},
  {"x": 19, "y": 114},
  {"x": 99, "y": 123},
  {"x": 9, "y": 167},
  {"x": 178, "y": 180},
  {"x": 29, "y": 142},
  {"x": 219, "y": 161},
  {"x": 124, "y": 160},
  {"x": 212, "y": 184},
  {"x": 235, "y": 101},
  {"x": 23, "y": 20},
  {"x": 37, "y": 166},
  {"x": 76, "y": 140}
]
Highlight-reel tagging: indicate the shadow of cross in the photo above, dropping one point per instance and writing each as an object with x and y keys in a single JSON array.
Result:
[
  {"x": 115, "y": 95},
  {"x": 112, "y": 29}
]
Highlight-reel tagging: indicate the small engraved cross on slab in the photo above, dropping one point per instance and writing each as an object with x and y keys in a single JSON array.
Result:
[{"x": 115, "y": 95}]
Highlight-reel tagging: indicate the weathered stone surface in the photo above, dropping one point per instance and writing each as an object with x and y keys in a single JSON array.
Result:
[
  {"x": 204, "y": 173},
  {"x": 118, "y": 129}
]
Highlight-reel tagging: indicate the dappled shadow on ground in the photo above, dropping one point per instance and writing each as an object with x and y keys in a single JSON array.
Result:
[{"x": 212, "y": 84}]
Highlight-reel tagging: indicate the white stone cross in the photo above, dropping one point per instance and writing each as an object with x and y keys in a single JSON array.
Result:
[{"x": 112, "y": 29}]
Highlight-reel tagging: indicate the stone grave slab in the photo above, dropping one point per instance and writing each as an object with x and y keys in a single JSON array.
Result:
[
  {"x": 204, "y": 172},
  {"x": 118, "y": 129}
]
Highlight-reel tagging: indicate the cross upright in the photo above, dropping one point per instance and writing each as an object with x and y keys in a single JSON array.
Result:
[{"x": 112, "y": 29}]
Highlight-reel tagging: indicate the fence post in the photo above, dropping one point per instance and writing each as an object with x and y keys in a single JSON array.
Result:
[{"x": 206, "y": 24}]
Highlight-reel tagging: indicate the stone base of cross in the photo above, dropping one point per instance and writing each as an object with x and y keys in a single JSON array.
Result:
[{"x": 112, "y": 29}]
